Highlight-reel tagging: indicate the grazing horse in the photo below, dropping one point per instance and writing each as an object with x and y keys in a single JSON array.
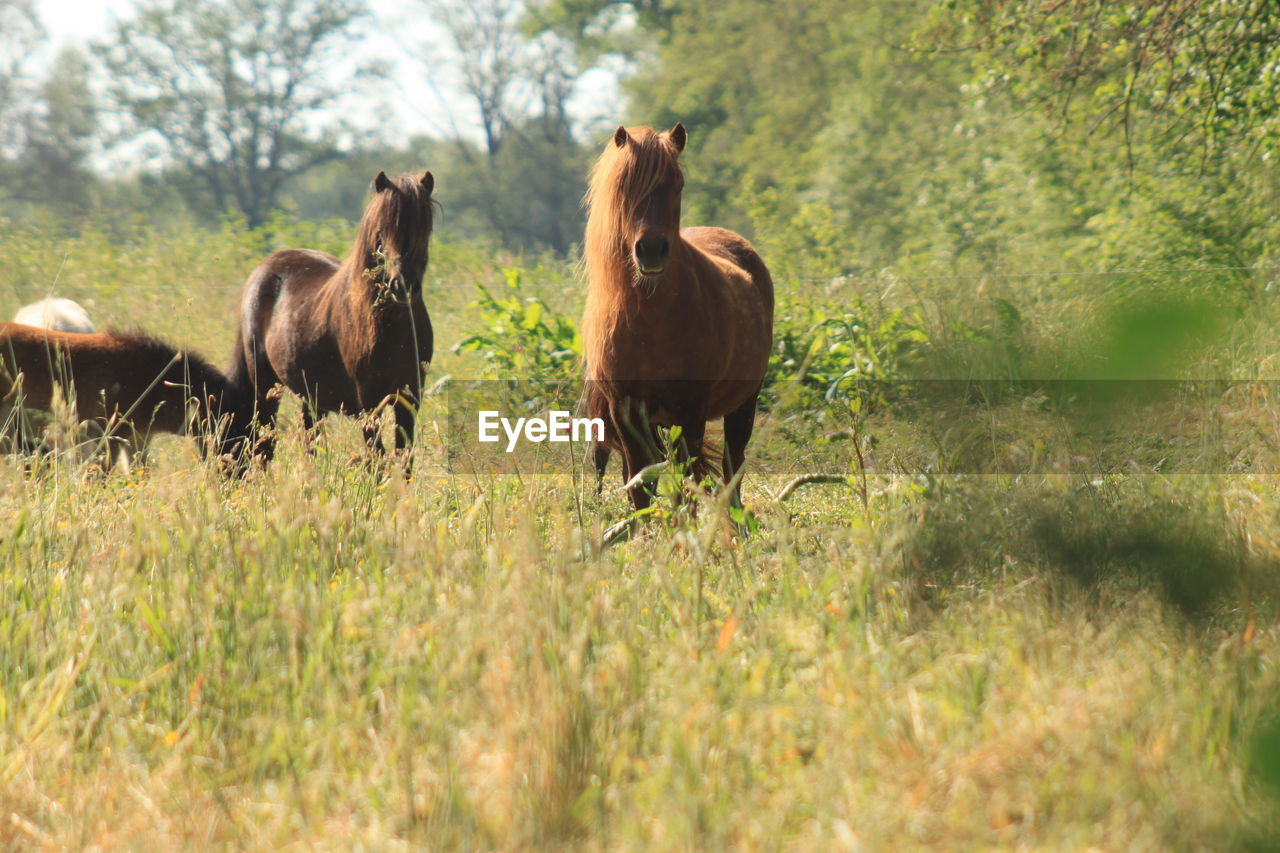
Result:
[
  {"x": 347, "y": 336},
  {"x": 61, "y": 315},
  {"x": 678, "y": 322},
  {"x": 126, "y": 386}
]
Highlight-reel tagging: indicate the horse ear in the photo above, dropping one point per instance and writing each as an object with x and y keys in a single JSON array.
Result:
[
  {"x": 428, "y": 181},
  {"x": 678, "y": 136},
  {"x": 381, "y": 182},
  {"x": 620, "y": 137}
]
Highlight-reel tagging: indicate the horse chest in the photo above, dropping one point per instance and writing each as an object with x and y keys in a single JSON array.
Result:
[{"x": 663, "y": 351}]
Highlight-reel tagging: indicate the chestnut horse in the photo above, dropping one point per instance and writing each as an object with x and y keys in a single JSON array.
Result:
[
  {"x": 347, "y": 336},
  {"x": 126, "y": 386},
  {"x": 678, "y": 322}
]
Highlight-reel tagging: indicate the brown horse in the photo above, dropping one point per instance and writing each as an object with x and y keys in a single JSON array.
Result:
[
  {"x": 347, "y": 336},
  {"x": 126, "y": 386},
  {"x": 678, "y": 322}
]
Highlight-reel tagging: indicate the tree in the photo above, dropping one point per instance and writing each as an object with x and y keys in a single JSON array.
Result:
[
  {"x": 528, "y": 176},
  {"x": 1203, "y": 71},
  {"x": 490, "y": 58},
  {"x": 47, "y": 123},
  {"x": 234, "y": 90},
  {"x": 599, "y": 27},
  {"x": 20, "y": 36},
  {"x": 61, "y": 126}
]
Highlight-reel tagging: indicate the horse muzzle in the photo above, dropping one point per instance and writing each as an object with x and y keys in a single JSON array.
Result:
[{"x": 651, "y": 255}]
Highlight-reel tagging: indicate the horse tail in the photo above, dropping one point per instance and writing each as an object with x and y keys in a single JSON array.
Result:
[
  {"x": 239, "y": 374},
  {"x": 238, "y": 404}
]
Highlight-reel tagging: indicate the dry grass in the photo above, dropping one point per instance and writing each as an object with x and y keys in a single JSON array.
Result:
[{"x": 324, "y": 656}]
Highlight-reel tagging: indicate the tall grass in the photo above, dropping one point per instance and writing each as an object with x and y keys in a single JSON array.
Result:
[{"x": 327, "y": 656}]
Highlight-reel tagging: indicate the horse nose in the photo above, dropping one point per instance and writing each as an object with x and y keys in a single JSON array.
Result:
[{"x": 652, "y": 252}]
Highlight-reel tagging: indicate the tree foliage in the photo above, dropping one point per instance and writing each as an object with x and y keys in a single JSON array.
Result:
[
  {"x": 20, "y": 35},
  {"x": 601, "y": 27},
  {"x": 240, "y": 92},
  {"x": 60, "y": 135},
  {"x": 524, "y": 183},
  {"x": 1175, "y": 69},
  {"x": 948, "y": 134},
  {"x": 48, "y": 118}
]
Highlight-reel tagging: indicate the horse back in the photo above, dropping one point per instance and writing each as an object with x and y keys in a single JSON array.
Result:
[
  {"x": 736, "y": 291},
  {"x": 284, "y": 311},
  {"x": 109, "y": 373},
  {"x": 43, "y": 357},
  {"x": 295, "y": 275},
  {"x": 734, "y": 249},
  {"x": 62, "y": 315}
]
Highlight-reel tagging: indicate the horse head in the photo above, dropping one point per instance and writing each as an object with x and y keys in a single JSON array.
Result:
[
  {"x": 635, "y": 193},
  {"x": 395, "y": 233}
]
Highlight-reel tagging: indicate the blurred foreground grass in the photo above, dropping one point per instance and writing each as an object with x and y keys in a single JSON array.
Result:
[{"x": 324, "y": 656}]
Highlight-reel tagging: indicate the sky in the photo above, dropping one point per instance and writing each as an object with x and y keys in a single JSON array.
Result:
[{"x": 432, "y": 104}]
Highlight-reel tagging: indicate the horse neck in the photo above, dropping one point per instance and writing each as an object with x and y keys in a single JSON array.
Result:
[
  {"x": 351, "y": 289},
  {"x": 615, "y": 301}
]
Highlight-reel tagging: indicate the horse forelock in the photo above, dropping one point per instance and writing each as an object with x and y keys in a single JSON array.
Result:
[
  {"x": 407, "y": 212},
  {"x": 620, "y": 181}
]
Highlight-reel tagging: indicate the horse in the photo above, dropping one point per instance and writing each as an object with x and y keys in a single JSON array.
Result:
[
  {"x": 678, "y": 323},
  {"x": 126, "y": 386},
  {"x": 61, "y": 315},
  {"x": 349, "y": 336}
]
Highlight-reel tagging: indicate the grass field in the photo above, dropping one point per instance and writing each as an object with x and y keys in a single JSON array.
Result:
[{"x": 322, "y": 655}]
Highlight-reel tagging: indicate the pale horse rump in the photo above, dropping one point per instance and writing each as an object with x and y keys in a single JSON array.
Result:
[{"x": 56, "y": 314}]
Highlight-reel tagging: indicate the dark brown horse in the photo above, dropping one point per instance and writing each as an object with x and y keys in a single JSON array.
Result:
[
  {"x": 125, "y": 386},
  {"x": 347, "y": 336},
  {"x": 678, "y": 322}
]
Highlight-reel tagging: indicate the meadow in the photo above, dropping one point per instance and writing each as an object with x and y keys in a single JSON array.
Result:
[{"x": 941, "y": 649}]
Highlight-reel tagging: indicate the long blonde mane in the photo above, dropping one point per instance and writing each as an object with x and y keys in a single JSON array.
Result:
[{"x": 620, "y": 180}]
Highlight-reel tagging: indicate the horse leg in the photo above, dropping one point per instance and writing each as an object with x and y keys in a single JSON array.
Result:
[
  {"x": 371, "y": 429},
  {"x": 689, "y": 448},
  {"x": 738, "y": 425},
  {"x": 406, "y": 420},
  {"x": 636, "y": 437},
  {"x": 636, "y": 454},
  {"x": 599, "y": 453},
  {"x": 688, "y": 452},
  {"x": 264, "y": 421},
  {"x": 255, "y": 393},
  {"x": 309, "y": 419},
  {"x": 123, "y": 456}
]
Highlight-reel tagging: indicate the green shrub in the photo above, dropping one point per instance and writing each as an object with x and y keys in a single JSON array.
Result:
[
  {"x": 848, "y": 354},
  {"x": 522, "y": 336}
]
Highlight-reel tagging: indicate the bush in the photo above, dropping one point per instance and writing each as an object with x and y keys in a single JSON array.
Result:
[
  {"x": 522, "y": 336},
  {"x": 848, "y": 354}
]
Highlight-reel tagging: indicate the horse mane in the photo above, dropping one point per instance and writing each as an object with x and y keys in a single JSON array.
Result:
[
  {"x": 159, "y": 354},
  {"x": 620, "y": 180},
  {"x": 412, "y": 209}
]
